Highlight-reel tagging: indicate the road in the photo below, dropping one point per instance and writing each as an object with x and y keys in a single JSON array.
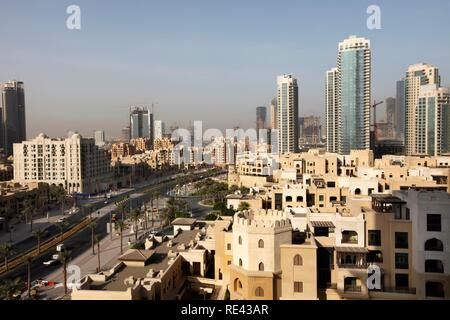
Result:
[{"x": 80, "y": 243}]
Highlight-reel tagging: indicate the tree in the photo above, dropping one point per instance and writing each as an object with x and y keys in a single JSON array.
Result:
[
  {"x": 93, "y": 225},
  {"x": 97, "y": 240},
  {"x": 135, "y": 217},
  {"x": 243, "y": 206},
  {"x": 120, "y": 225},
  {"x": 157, "y": 194},
  {"x": 9, "y": 288},
  {"x": 28, "y": 211},
  {"x": 122, "y": 207},
  {"x": 28, "y": 259},
  {"x": 64, "y": 257},
  {"x": 39, "y": 234},
  {"x": 6, "y": 250},
  {"x": 60, "y": 195}
]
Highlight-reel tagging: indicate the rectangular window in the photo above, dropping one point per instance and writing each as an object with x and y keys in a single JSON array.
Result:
[
  {"x": 298, "y": 286},
  {"x": 401, "y": 260},
  {"x": 228, "y": 246},
  {"x": 374, "y": 237},
  {"x": 401, "y": 281},
  {"x": 434, "y": 222},
  {"x": 401, "y": 240}
]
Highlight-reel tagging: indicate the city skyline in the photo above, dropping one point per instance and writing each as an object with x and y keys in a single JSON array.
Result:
[{"x": 88, "y": 71}]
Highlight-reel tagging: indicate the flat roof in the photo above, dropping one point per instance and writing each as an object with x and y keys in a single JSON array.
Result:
[
  {"x": 159, "y": 261},
  {"x": 184, "y": 221}
]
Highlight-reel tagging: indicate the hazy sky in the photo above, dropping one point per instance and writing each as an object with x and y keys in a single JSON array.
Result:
[{"x": 207, "y": 60}]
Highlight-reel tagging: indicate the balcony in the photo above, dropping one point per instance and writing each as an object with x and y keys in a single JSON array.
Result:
[
  {"x": 399, "y": 290},
  {"x": 352, "y": 288}
]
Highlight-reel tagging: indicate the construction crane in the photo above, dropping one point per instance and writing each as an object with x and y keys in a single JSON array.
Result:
[{"x": 373, "y": 125}]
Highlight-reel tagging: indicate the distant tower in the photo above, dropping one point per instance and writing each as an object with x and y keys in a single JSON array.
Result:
[
  {"x": 416, "y": 76},
  {"x": 159, "y": 129},
  {"x": 391, "y": 117},
  {"x": 273, "y": 114},
  {"x": 400, "y": 110},
  {"x": 354, "y": 94},
  {"x": 287, "y": 114},
  {"x": 261, "y": 115},
  {"x": 12, "y": 115},
  {"x": 99, "y": 137},
  {"x": 331, "y": 110},
  {"x": 141, "y": 123}
]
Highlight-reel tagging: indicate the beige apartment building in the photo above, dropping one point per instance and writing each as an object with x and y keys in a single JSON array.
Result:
[{"x": 75, "y": 163}]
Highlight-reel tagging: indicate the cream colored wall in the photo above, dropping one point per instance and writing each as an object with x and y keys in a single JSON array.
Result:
[{"x": 306, "y": 273}]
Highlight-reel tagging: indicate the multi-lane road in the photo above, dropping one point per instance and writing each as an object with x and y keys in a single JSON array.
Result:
[{"x": 80, "y": 243}]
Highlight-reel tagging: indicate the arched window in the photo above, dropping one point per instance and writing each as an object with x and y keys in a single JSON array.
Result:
[
  {"x": 299, "y": 199},
  {"x": 298, "y": 260},
  {"x": 261, "y": 266},
  {"x": 434, "y": 245},
  {"x": 288, "y": 199},
  {"x": 240, "y": 240},
  {"x": 240, "y": 262},
  {"x": 259, "y": 292},
  {"x": 357, "y": 191},
  {"x": 261, "y": 243},
  {"x": 237, "y": 284},
  {"x": 434, "y": 266}
]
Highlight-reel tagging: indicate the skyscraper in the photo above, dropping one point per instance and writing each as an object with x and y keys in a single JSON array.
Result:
[
  {"x": 99, "y": 137},
  {"x": 416, "y": 76},
  {"x": 331, "y": 110},
  {"x": 261, "y": 115},
  {"x": 391, "y": 118},
  {"x": 159, "y": 129},
  {"x": 287, "y": 114},
  {"x": 12, "y": 119},
  {"x": 273, "y": 114},
  {"x": 354, "y": 94},
  {"x": 400, "y": 110},
  {"x": 141, "y": 123},
  {"x": 125, "y": 134},
  {"x": 432, "y": 121}
]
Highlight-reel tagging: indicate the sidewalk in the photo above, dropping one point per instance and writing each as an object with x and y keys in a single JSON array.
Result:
[
  {"x": 88, "y": 263},
  {"x": 22, "y": 232}
]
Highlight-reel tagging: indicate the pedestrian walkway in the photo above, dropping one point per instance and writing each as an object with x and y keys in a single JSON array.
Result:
[{"x": 21, "y": 231}]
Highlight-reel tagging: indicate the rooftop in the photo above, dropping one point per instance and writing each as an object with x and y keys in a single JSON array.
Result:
[{"x": 158, "y": 261}]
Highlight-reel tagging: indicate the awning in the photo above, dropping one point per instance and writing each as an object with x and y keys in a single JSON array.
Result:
[
  {"x": 352, "y": 249},
  {"x": 322, "y": 224}
]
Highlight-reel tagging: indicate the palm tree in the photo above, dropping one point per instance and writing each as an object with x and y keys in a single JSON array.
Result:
[
  {"x": 6, "y": 250},
  {"x": 28, "y": 259},
  {"x": 122, "y": 207},
  {"x": 156, "y": 195},
  {"x": 39, "y": 234},
  {"x": 61, "y": 195},
  {"x": 64, "y": 257},
  {"x": 9, "y": 288},
  {"x": 97, "y": 240},
  {"x": 243, "y": 206},
  {"x": 93, "y": 225},
  {"x": 120, "y": 225},
  {"x": 135, "y": 217},
  {"x": 28, "y": 211}
]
